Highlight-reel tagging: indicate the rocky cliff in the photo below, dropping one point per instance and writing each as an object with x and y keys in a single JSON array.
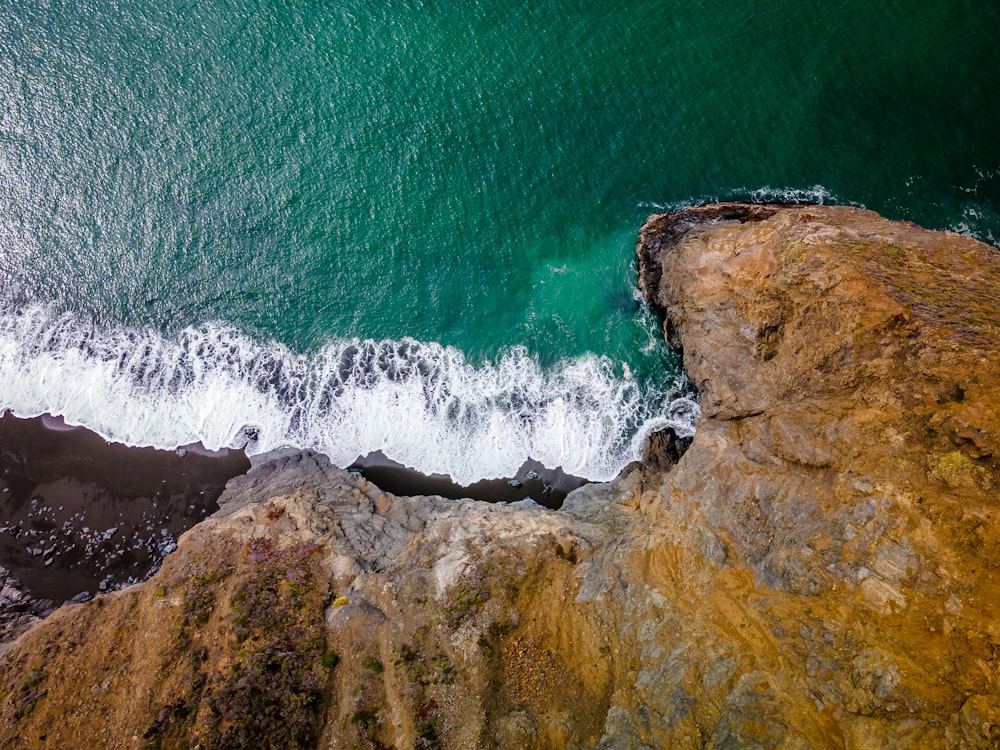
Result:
[{"x": 819, "y": 568}]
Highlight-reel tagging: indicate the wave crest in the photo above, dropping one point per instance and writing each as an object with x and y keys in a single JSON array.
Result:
[{"x": 421, "y": 404}]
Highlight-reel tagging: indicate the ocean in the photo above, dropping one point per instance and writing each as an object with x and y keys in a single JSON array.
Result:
[{"x": 409, "y": 226}]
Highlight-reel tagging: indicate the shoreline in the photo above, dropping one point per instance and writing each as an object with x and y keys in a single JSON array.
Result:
[
  {"x": 80, "y": 515},
  {"x": 819, "y": 563},
  {"x": 533, "y": 480}
]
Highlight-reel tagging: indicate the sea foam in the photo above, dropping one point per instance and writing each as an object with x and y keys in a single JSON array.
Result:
[
  {"x": 422, "y": 404},
  {"x": 766, "y": 194}
]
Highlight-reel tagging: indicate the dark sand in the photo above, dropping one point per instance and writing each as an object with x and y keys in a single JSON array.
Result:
[
  {"x": 547, "y": 487},
  {"x": 80, "y": 514}
]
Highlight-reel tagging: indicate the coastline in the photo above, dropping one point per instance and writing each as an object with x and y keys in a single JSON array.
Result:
[
  {"x": 81, "y": 515},
  {"x": 817, "y": 568},
  {"x": 532, "y": 481}
]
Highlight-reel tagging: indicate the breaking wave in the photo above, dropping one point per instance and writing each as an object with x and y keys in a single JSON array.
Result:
[
  {"x": 422, "y": 404},
  {"x": 766, "y": 194}
]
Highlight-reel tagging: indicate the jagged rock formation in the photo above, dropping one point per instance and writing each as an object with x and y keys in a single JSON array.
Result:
[
  {"x": 818, "y": 569},
  {"x": 18, "y": 609}
]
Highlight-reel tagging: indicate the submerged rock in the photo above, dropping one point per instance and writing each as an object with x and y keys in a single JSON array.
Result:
[{"x": 817, "y": 569}]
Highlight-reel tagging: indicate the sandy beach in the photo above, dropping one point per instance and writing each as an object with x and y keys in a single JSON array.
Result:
[{"x": 79, "y": 514}]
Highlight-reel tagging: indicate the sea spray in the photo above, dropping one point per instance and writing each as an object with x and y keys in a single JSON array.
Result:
[{"x": 422, "y": 404}]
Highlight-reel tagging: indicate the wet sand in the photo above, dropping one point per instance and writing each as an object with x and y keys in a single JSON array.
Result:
[
  {"x": 547, "y": 487},
  {"x": 79, "y": 514}
]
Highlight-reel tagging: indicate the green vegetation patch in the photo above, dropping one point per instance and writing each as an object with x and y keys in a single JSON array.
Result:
[
  {"x": 467, "y": 596},
  {"x": 199, "y": 597},
  {"x": 29, "y": 693},
  {"x": 426, "y": 670},
  {"x": 270, "y": 689},
  {"x": 272, "y": 694},
  {"x": 366, "y": 717},
  {"x": 373, "y": 665},
  {"x": 426, "y": 725},
  {"x": 956, "y": 469}
]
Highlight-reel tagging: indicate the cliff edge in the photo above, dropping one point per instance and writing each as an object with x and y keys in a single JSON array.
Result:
[{"x": 818, "y": 569}]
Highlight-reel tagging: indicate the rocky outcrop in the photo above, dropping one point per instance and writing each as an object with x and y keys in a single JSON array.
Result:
[
  {"x": 847, "y": 461},
  {"x": 818, "y": 569},
  {"x": 19, "y": 610}
]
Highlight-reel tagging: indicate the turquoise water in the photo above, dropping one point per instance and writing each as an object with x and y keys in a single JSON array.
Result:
[{"x": 207, "y": 209}]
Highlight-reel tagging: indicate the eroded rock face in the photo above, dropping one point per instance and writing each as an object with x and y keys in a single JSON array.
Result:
[
  {"x": 818, "y": 569},
  {"x": 848, "y": 458}
]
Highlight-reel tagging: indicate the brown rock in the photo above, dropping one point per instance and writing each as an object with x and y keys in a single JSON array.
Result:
[{"x": 818, "y": 569}]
